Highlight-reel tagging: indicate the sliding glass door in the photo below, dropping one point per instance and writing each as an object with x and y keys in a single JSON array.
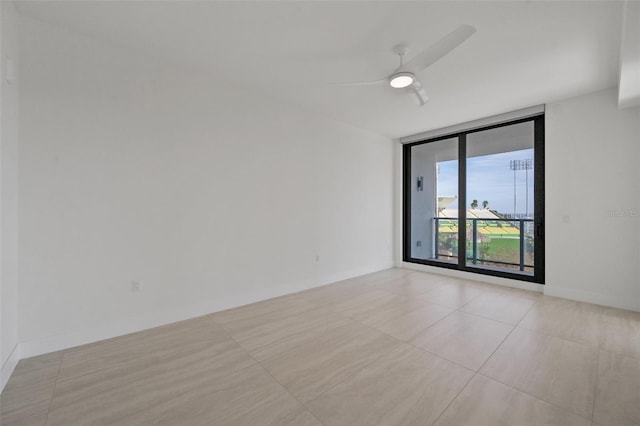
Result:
[{"x": 474, "y": 201}]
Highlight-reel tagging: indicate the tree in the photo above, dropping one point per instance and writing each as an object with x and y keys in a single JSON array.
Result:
[
  {"x": 474, "y": 204},
  {"x": 485, "y": 204}
]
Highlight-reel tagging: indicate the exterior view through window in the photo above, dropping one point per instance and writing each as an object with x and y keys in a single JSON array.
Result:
[{"x": 474, "y": 201}]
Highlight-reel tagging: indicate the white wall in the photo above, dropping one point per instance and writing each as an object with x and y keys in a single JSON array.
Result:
[
  {"x": 208, "y": 195},
  {"x": 593, "y": 200},
  {"x": 423, "y": 205},
  {"x": 8, "y": 194}
]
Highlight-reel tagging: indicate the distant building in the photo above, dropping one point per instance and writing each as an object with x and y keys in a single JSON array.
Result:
[{"x": 488, "y": 227}]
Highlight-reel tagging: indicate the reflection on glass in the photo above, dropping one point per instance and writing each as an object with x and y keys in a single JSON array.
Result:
[
  {"x": 500, "y": 195},
  {"x": 434, "y": 201}
]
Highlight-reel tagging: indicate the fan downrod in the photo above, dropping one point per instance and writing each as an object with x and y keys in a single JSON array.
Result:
[{"x": 401, "y": 49}]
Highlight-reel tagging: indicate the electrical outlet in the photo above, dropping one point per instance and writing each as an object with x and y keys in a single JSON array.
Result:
[
  {"x": 418, "y": 243},
  {"x": 135, "y": 286}
]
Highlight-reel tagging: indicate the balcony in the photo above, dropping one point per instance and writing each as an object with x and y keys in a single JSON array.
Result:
[{"x": 500, "y": 243}]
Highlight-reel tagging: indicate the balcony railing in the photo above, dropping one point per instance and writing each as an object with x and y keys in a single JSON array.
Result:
[{"x": 490, "y": 242}]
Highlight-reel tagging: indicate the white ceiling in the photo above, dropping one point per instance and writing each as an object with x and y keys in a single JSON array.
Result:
[{"x": 523, "y": 53}]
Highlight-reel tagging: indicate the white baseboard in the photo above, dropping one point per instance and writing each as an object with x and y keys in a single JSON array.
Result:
[
  {"x": 522, "y": 285},
  {"x": 131, "y": 325},
  {"x": 629, "y": 304},
  {"x": 345, "y": 275},
  {"x": 549, "y": 290},
  {"x": 8, "y": 367}
]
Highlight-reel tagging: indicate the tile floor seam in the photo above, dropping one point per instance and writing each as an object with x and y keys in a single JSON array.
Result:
[
  {"x": 602, "y": 334},
  {"x": 317, "y": 305},
  {"x": 487, "y": 318},
  {"x": 466, "y": 303},
  {"x": 454, "y": 398},
  {"x": 566, "y": 340},
  {"x": 410, "y": 310},
  {"x": 622, "y": 352},
  {"x": 349, "y": 377},
  {"x": 401, "y": 341},
  {"x": 595, "y": 389},
  {"x": 520, "y": 390},
  {"x": 270, "y": 357},
  {"x": 397, "y": 316},
  {"x": 389, "y": 293},
  {"x": 505, "y": 339},
  {"x": 534, "y": 396},
  {"x": 278, "y": 382},
  {"x": 441, "y": 357},
  {"x": 118, "y": 420},
  {"x": 618, "y": 354},
  {"x": 400, "y": 294},
  {"x": 227, "y": 333},
  {"x": 115, "y": 421},
  {"x": 53, "y": 391},
  {"x": 441, "y": 319},
  {"x": 238, "y": 370},
  {"x": 223, "y": 324},
  {"x": 486, "y": 360},
  {"x": 286, "y": 337},
  {"x": 419, "y": 296},
  {"x": 542, "y": 333},
  {"x": 601, "y": 322},
  {"x": 292, "y": 315},
  {"x": 629, "y": 355},
  {"x": 421, "y": 348}
]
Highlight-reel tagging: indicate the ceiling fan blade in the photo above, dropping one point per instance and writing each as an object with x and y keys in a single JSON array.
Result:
[
  {"x": 417, "y": 89},
  {"x": 440, "y": 48},
  {"x": 363, "y": 83}
]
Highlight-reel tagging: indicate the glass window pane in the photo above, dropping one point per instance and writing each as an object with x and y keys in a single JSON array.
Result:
[
  {"x": 434, "y": 201},
  {"x": 500, "y": 208}
]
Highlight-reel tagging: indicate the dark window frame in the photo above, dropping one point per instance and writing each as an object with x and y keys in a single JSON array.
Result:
[{"x": 538, "y": 197}]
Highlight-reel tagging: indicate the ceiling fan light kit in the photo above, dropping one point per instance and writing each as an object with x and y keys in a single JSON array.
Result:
[{"x": 401, "y": 80}]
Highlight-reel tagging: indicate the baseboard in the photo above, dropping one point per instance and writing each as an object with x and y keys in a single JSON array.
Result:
[
  {"x": 132, "y": 325},
  {"x": 8, "y": 367},
  {"x": 345, "y": 275},
  {"x": 522, "y": 285},
  {"x": 629, "y": 304}
]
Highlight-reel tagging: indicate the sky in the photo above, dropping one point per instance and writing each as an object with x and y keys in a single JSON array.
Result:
[{"x": 490, "y": 178}]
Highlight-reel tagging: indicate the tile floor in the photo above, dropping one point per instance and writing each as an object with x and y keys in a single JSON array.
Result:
[{"x": 391, "y": 348}]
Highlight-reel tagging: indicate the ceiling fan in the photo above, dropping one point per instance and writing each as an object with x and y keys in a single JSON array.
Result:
[{"x": 405, "y": 75}]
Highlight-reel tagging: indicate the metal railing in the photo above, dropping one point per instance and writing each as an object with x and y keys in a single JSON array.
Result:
[{"x": 521, "y": 224}]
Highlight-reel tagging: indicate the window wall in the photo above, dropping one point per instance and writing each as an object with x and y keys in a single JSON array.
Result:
[{"x": 474, "y": 200}]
